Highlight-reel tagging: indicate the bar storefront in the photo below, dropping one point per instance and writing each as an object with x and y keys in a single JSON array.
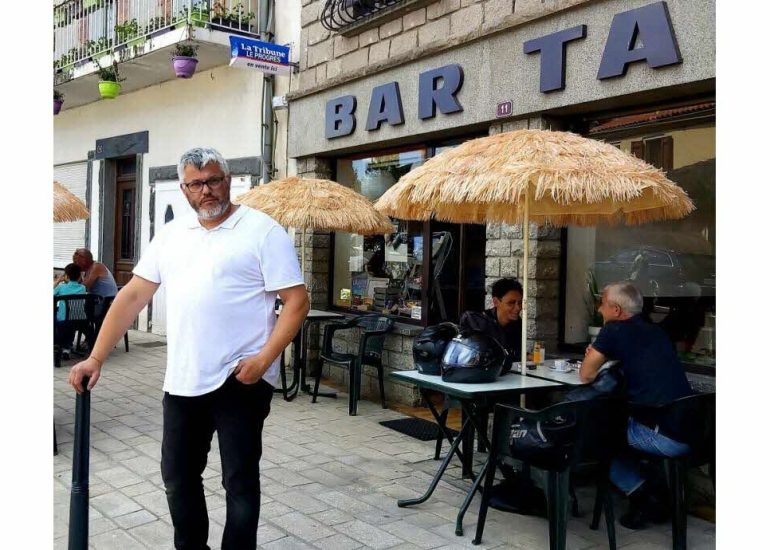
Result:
[{"x": 638, "y": 75}]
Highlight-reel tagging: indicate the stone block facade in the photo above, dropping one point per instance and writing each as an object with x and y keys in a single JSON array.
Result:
[
  {"x": 422, "y": 31},
  {"x": 505, "y": 258}
]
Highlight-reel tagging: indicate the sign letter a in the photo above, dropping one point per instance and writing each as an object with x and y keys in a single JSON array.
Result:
[
  {"x": 650, "y": 25},
  {"x": 385, "y": 106}
]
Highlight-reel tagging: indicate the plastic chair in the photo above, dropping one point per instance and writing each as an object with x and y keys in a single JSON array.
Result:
[
  {"x": 695, "y": 417},
  {"x": 373, "y": 331},
  {"x": 79, "y": 316},
  {"x": 107, "y": 302},
  {"x": 590, "y": 431}
]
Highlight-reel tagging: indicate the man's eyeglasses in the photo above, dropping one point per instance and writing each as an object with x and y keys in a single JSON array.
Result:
[{"x": 197, "y": 185}]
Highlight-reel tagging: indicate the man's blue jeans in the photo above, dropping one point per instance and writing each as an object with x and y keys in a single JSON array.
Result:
[{"x": 624, "y": 471}]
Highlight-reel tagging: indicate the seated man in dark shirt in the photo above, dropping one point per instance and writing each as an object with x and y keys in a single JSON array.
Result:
[
  {"x": 502, "y": 321},
  {"x": 653, "y": 375}
]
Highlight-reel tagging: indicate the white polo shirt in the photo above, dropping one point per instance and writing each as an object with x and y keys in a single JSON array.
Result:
[{"x": 221, "y": 285}]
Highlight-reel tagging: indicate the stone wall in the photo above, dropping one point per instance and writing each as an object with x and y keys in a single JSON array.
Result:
[
  {"x": 327, "y": 58},
  {"x": 317, "y": 251},
  {"x": 505, "y": 258}
]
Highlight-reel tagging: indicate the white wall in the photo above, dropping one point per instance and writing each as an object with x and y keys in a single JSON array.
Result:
[
  {"x": 287, "y": 31},
  {"x": 218, "y": 108}
]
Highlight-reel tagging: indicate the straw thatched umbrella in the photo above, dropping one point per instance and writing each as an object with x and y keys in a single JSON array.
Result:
[
  {"x": 66, "y": 206},
  {"x": 535, "y": 176},
  {"x": 316, "y": 204}
]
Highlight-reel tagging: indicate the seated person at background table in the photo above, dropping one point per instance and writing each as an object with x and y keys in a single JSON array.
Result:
[
  {"x": 66, "y": 285},
  {"x": 653, "y": 375},
  {"x": 96, "y": 277},
  {"x": 503, "y": 320}
]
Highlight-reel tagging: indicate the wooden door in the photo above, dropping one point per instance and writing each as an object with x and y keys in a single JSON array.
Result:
[{"x": 125, "y": 214}]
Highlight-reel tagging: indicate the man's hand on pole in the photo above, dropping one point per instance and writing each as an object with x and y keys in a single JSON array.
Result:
[{"x": 91, "y": 368}]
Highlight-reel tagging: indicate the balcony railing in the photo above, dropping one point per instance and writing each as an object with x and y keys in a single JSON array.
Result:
[
  {"x": 338, "y": 14},
  {"x": 86, "y": 29}
]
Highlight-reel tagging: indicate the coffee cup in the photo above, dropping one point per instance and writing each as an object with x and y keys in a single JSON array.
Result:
[{"x": 561, "y": 365}]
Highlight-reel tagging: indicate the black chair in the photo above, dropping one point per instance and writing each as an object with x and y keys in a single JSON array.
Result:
[
  {"x": 587, "y": 431},
  {"x": 373, "y": 331},
  {"x": 79, "y": 315},
  {"x": 695, "y": 418},
  {"x": 105, "y": 307}
]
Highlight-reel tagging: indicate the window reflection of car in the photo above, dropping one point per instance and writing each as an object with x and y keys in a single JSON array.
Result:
[{"x": 660, "y": 271}]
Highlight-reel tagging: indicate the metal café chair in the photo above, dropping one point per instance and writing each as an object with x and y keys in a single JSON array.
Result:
[{"x": 373, "y": 330}]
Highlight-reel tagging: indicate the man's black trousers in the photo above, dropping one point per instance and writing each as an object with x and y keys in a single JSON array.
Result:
[{"x": 237, "y": 413}]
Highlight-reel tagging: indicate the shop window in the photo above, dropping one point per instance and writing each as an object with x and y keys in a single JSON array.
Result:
[
  {"x": 389, "y": 274},
  {"x": 375, "y": 272},
  {"x": 673, "y": 263}
]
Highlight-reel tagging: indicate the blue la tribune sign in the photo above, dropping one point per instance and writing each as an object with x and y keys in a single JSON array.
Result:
[{"x": 270, "y": 58}]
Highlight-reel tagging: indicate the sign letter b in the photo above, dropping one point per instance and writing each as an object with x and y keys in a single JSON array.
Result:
[{"x": 339, "y": 116}]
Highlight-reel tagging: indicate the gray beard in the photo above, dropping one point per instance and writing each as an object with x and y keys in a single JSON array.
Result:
[{"x": 213, "y": 212}]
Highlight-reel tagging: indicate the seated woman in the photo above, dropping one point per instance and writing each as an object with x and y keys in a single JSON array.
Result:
[
  {"x": 66, "y": 285},
  {"x": 503, "y": 320}
]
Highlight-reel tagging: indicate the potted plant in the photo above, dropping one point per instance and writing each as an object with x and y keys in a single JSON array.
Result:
[
  {"x": 109, "y": 81},
  {"x": 58, "y": 100},
  {"x": 198, "y": 14},
  {"x": 128, "y": 33},
  {"x": 184, "y": 60},
  {"x": 235, "y": 18},
  {"x": 593, "y": 299},
  {"x": 160, "y": 24}
]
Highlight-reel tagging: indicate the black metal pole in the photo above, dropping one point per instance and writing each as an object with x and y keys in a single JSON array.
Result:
[{"x": 78, "y": 535}]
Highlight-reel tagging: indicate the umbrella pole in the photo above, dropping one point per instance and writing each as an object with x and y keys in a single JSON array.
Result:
[
  {"x": 303, "y": 255},
  {"x": 524, "y": 316}
]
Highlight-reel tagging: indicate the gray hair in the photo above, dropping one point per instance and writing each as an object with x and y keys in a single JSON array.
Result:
[
  {"x": 626, "y": 296},
  {"x": 200, "y": 157}
]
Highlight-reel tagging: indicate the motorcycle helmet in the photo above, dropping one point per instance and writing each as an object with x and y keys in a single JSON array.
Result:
[
  {"x": 428, "y": 347},
  {"x": 472, "y": 357}
]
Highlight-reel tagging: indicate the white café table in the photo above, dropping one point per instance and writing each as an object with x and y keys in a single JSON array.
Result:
[
  {"x": 544, "y": 371},
  {"x": 475, "y": 400}
]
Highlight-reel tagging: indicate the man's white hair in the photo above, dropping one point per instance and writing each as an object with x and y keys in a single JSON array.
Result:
[
  {"x": 626, "y": 296},
  {"x": 200, "y": 157}
]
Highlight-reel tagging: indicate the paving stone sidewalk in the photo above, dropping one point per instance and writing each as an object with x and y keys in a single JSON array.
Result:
[{"x": 329, "y": 481}]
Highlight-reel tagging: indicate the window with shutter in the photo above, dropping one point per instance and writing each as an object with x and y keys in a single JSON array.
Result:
[{"x": 70, "y": 235}]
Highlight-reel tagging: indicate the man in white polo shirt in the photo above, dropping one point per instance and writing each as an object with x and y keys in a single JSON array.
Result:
[{"x": 222, "y": 269}]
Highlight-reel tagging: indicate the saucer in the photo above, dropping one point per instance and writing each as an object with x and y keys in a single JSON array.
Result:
[{"x": 569, "y": 368}]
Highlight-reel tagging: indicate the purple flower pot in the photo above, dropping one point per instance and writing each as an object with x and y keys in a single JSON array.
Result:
[
  {"x": 57, "y": 103},
  {"x": 184, "y": 67}
]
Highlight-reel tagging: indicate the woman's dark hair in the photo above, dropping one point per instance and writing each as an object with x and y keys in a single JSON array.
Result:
[
  {"x": 501, "y": 287},
  {"x": 72, "y": 271}
]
